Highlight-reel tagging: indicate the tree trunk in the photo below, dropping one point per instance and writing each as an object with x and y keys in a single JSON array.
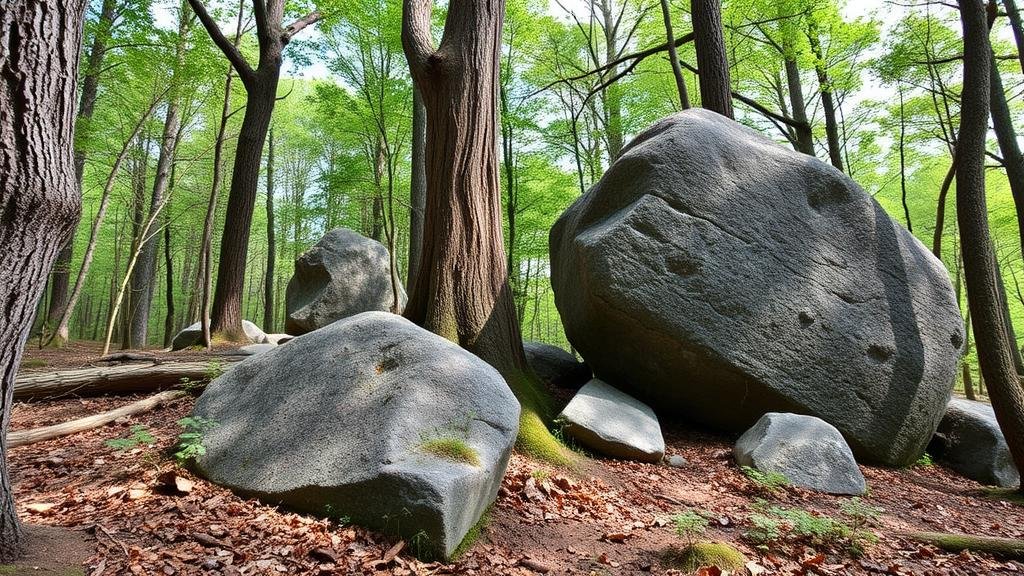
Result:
[
  {"x": 903, "y": 164},
  {"x": 804, "y": 134},
  {"x": 612, "y": 94},
  {"x": 673, "y": 56},
  {"x": 127, "y": 379},
  {"x": 940, "y": 209},
  {"x": 709, "y": 42},
  {"x": 1017, "y": 27},
  {"x": 168, "y": 281},
  {"x": 417, "y": 189},
  {"x": 60, "y": 279},
  {"x": 1013, "y": 161},
  {"x": 268, "y": 283},
  {"x": 38, "y": 189},
  {"x": 984, "y": 291},
  {"x": 828, "y": 105},
  {"x": 226, "y": 316}
]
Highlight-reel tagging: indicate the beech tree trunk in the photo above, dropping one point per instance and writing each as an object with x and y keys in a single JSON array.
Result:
[
  {"x": 673, "y": 56},
  {"x": 268, "y": 283},
  {"x": 39, "y": 193},
  {"x": 462, "y": 291},
  {"x": 985, "y": 293},
  {"x": 804, "y": 135},
  {"x": 712, "y": 61},
  {"x": 417, "y": 189},
  {"x": 612, "y": 94}
]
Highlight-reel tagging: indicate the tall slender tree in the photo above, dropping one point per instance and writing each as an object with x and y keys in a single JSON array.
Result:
[
  {"x": 268, "y": 282},
  {"x": 261, "y": 86},
  {"x": 985, "y": 290},
  {"x": 712, "y": 59},
  {"x": 40, "y": 199}
]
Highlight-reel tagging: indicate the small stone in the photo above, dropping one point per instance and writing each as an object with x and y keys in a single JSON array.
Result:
[{"x": 677, "y": 461}]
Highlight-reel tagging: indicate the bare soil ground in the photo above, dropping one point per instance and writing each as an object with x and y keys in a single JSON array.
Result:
[{"x": 605, "y": 517}]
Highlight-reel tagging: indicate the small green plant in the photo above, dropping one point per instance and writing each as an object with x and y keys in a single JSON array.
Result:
[
  {"x": 140, "y": 435},
  {"x": 764, "y": 530},
  {"x": 768, "y": 482},
  {"x": 701, "y": 554},
  {"x": 924, "y": 461},
  {"x": 214, "y": 370},
  {"x": 190, "y": 442},
  {"x": 540, "y": 474},
  {"x": 773, "y": 524},
  {"x": 690, "y": 525},
  {"x": 452, "y": 449},
  {"x": 861, "y": 514}
]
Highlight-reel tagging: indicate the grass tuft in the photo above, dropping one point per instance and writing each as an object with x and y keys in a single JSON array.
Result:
[
  {"x": 698, "y": 555},
  {"x": 452, "y": 449}
]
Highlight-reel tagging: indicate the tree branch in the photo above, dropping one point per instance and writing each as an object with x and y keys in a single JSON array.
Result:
[
  {"x": 230, "y": 51},
  {"x": 297, "y": 26},
  {"x": 416, "y": 38}
]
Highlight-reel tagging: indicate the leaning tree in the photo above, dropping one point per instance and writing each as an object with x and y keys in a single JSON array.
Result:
[
  {"x": 461, "y": 291},
  {"x": 261, "y": 88},
  {"x": 985, "y": 291},
  {"x": 39, "y": 195}
]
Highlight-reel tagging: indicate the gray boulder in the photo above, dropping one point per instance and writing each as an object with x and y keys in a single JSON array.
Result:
[
  {"x": 279, "y": 338},
  {"x": 254, "y": 349},
  {"x": 193, "y": 335},
  {"x": 556, "y": 366},
  {"x": 970, "y": 441},
  {"x": 808, "y": 451},
  {"x": 714, "y": 273},
  {"x": 343, "y": 274},
  {"x": 370, "y": 417},
  {"x": 613, "y": 423}
]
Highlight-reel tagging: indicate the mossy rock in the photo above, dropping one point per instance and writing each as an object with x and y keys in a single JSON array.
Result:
[
  {"x": 535, "y": 438},
  {"x": 452, "y": 449},
  {"x": 719, "y": 554}
]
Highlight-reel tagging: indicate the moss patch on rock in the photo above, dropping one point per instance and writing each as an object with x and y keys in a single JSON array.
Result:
[
  {"x": 452, "y": 449},
  {"x": 692, "y": 558},
  {"x": 535, "y": 438}
]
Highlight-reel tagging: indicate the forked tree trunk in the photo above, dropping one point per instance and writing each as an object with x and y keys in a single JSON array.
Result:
[
  {"x": 462, "y": 292},
  {"x": 712, "y": 61},
  {"x": 985, "y": 292},
  {"x": 39, "y": 193},
  {"x": 417, "y": 188}
]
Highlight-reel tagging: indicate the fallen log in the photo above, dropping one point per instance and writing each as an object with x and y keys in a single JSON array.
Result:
[
  {"x": 126, "y": 379},
  {"x": 25, "y": 437},
  {"x": 1006, "y": 547}
]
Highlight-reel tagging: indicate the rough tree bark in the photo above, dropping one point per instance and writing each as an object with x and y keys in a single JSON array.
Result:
[
  {"x": 712, "y": 61},
  {"x": 268, "y": 282},
  {"x": 1009, "y": 148},
  {"x": 985, "y": 292},
  {"x": 828, "y": 105},
  {"x": 261, "y": 85},
  {"x": 59, "y": 279},
  {"x": 417, "y": 188},
  {"x": 40, "y": 200},
  {"x": 1017, "y": 28}
]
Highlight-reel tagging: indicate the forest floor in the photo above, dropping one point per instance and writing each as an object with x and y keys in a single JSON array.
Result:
[{"x": 135, "y": 511}]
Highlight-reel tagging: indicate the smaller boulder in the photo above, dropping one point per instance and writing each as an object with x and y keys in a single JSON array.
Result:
[
  {"x": 808, "y": 451},
  {"x": 193, "y": 335},
  {"x": 254, "y": 349},
  {"x": 970, "y": 441},
  {"x": 556, "y": 366},
  {"x": 342, "y": 275},
  {"x": 279, "y": 338},
  {"x": 613, "y": 423}
]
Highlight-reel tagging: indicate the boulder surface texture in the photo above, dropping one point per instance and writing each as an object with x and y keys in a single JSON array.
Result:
[
  {"x": 613, "y": 423},
  {"x": 372, "y": 418},
  {"x": 808, "y": 451},
  {"x": 971, "y": 442},
  {"x": 717, "y": 274},
  {"x": 343, "y": 274},
  {"x": 193, "y": 335},
  {"x": 556, "y": 366}
]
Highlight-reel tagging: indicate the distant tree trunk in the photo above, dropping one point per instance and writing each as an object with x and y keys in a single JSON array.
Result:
[
  {"x": 835, "y": 151},
  {"x": 417, "y": 189},
  {"x": 261, "y": 87},
  {"x": 144, "y": 277},
  {"x": 673, "y": 56},
  {"x": 940, "y": 211},
  {"x": 903, "y": 163},
  {"x": 712, "y": 61},
  {"x": 1013, "y": 161},
  {"x": 463, "y": 292},
  {"x": 794, "y": 86},
  {"x": 968, "y": 382},
  {"x": 612, "y": 94},
  {"x": 38, "y": 189},
  {"x": 268, "y": 283},
  {"x": 984, "y": 291}
]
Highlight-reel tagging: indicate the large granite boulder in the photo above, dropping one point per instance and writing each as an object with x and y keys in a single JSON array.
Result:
[
  {"x": 808, "y": 451},
  {"x": 970, "y": 441},
  {"x": 718, "y": 274},
  {"x": 556, "y": 366},
  {"x": 343, "y": 274},
  {"x": 193, "y": 335},
  {"x": 613, "y": 423},
  {"x": 372, "y": 418}
]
